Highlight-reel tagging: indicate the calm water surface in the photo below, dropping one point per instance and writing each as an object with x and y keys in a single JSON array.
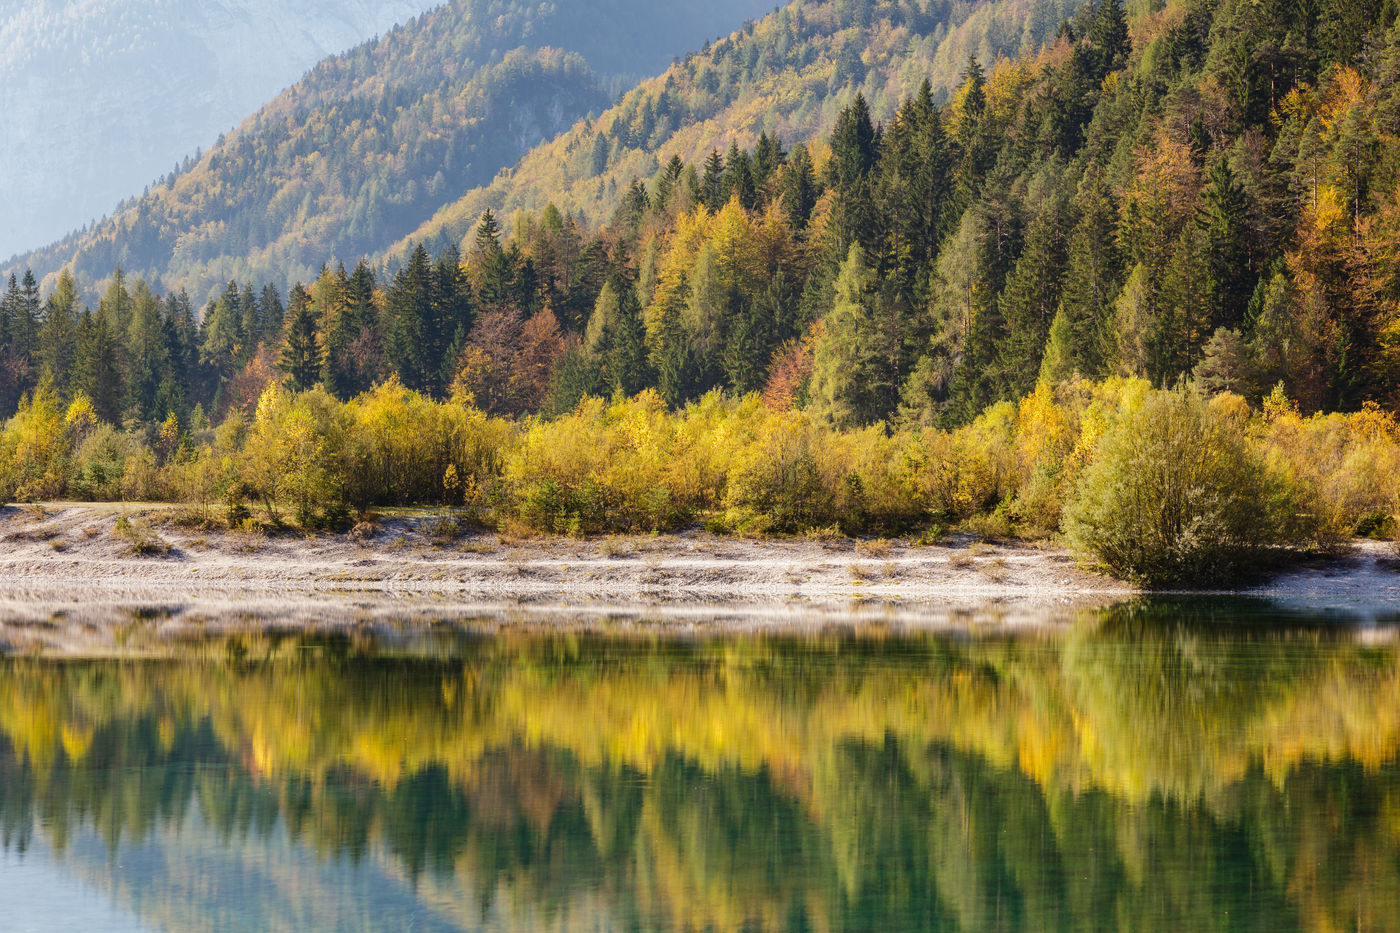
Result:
[{"x": 1156, "y": 767}]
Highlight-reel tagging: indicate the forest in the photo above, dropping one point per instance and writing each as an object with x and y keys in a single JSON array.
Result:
[{"x": 1178, "y": 229}]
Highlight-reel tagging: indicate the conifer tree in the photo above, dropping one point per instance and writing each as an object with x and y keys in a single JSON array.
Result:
[
  {"x": 59, "y": 333},
  {"x": 300, "y": 355},
  {"x": 408, "y": 323},
  {"x": 712, "y": 182},
  {"x": 854, "y": 144},
  {"x": 96, "y": 373},
  {"x": 1223, "y": 216},
  {"x": 1109, "y": 36},
  {"x": 1081, "y": 333},
  {"x": 800, "y": 187}
]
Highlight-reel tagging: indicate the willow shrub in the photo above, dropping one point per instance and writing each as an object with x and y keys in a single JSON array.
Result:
[
  {"x": 1347, "y": 465},
  {"x": 624, "y": 465},
  {"x": 1176, "y": 494}
]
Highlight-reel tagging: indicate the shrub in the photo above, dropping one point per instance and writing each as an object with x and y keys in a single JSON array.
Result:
[
  {"x": 1177, "y": 496},
  {"x": 142, "y": 540}
]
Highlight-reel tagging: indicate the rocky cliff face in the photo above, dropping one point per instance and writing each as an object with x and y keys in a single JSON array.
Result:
[{"x": 98, "y": 98}]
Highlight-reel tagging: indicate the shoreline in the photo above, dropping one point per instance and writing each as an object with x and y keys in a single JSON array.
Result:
[{"x": 69, "y": 577}]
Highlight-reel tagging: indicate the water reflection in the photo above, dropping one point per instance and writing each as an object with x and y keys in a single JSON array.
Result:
[{"x": 1161, "y": 766}]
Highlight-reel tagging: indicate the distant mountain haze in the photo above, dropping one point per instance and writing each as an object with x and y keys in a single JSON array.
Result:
[
  {"x": 102, "y": 97},
  {"x": 371, "y": 143}
]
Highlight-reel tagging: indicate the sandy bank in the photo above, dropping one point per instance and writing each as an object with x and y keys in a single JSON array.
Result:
[{"x": 68, "y": 575}]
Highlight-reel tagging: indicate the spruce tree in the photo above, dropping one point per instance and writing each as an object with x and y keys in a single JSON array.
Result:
[
  {"x": 59, "y": 333},
  {"x": 96, "y": 373},
  {"x": 1109, "y": 37},
  {"x": 712, "y": 182},
  {"x": 1082, "y": 330},
  {"x": 800, "y": 189},
  {"x": 300, "y": 354},
  {"x": 1223, "y": 216}
]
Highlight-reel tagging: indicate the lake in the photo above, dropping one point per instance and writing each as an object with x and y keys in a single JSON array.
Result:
[{"x": 1163, "y": 765}]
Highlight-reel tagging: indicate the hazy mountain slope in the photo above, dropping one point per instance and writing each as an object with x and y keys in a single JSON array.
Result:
[
  {"x": 369, "y": 144},
  {"x": 789, "y": 74},
  {"x": 102, "y": 96}
]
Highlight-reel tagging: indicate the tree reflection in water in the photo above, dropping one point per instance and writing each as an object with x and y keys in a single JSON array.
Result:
[{"x": 1159, "y": 766}]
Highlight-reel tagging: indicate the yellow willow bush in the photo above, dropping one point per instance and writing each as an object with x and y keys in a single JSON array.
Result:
[
  {"x": 627, "y": 465},
  {"x": 399, "y": 445},
  {"x": 1347, "y": 466},
  {"x": 1176, "y": 494},
  {"x": 1033, "y": 467}
]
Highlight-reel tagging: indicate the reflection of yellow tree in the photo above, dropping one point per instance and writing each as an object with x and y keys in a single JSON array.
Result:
[{"x": 1112, "y": 732}]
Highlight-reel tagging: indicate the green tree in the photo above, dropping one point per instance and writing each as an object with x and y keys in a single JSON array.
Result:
[{"x": 300, "y": 354}]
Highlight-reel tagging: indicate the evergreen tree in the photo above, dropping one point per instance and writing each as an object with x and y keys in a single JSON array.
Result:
[
  {"x": 1109, "y": 37},
  {"x": 59, "y": 333},
  {"x": 1031, "y": 298},
  {"x": 854, "y": 144},
  {"x": 1223, "y": 216},
  {"x": 148, "y": 353},
  {"x": 452, "y": 313},
  {"x": 300, "y": 355},
  {"x": 627, "y": 356},
  {"x": 222, "y": 340},
  {"x": 1082, "y": 331},
  {"x": 409, "y": 324},
  {"x": 800, "y": 187},
  {"x": 712, "y": 182},
  {"x": 96, "y": 373},
  {"x": 273, "y": 314},
  {"x": 738, "y": 181}
]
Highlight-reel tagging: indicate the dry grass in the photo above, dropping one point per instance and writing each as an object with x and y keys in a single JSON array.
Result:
[
  {"x": 875, "y": 547},
  {"x": 613, "y": 547},
  {"x": 141, "y": 539}
]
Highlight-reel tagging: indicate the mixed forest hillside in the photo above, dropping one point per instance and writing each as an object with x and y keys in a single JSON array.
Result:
[
  {"x": 370, "y": 143},
  {"x": 787, "y": 75},
  {"x": 102, "y": 96}
]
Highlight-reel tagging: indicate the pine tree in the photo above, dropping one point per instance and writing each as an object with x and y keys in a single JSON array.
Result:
[
  {"x": 408, "y": 323},
  {"x": 1109, "y": 37},
  {"x": 712, "y": 182},
  {"x": 800, "y": 187},
  {"x": 59, "y": 333},
  {"x": 300, "y": 355},
  {"x": 96, "y": 373},
  {"x": 1223, "y": 216}
]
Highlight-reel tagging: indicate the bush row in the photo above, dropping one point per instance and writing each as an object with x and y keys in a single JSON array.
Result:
[{"x": 1158, "y": 485}]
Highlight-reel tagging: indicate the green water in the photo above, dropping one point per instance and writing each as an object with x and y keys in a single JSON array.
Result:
[{"x": 1183, "y": 766}]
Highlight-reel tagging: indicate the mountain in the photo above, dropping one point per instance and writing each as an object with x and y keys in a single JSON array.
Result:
[
  {"x": 102, "y": 96},
  {"x": 788, "y": 75},
  {"x": 370, "y": 143}
]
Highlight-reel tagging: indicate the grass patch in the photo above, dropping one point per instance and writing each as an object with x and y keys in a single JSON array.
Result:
[
  {"x": 141, "y": 539},
  {"x": 612, "y": 547}
]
